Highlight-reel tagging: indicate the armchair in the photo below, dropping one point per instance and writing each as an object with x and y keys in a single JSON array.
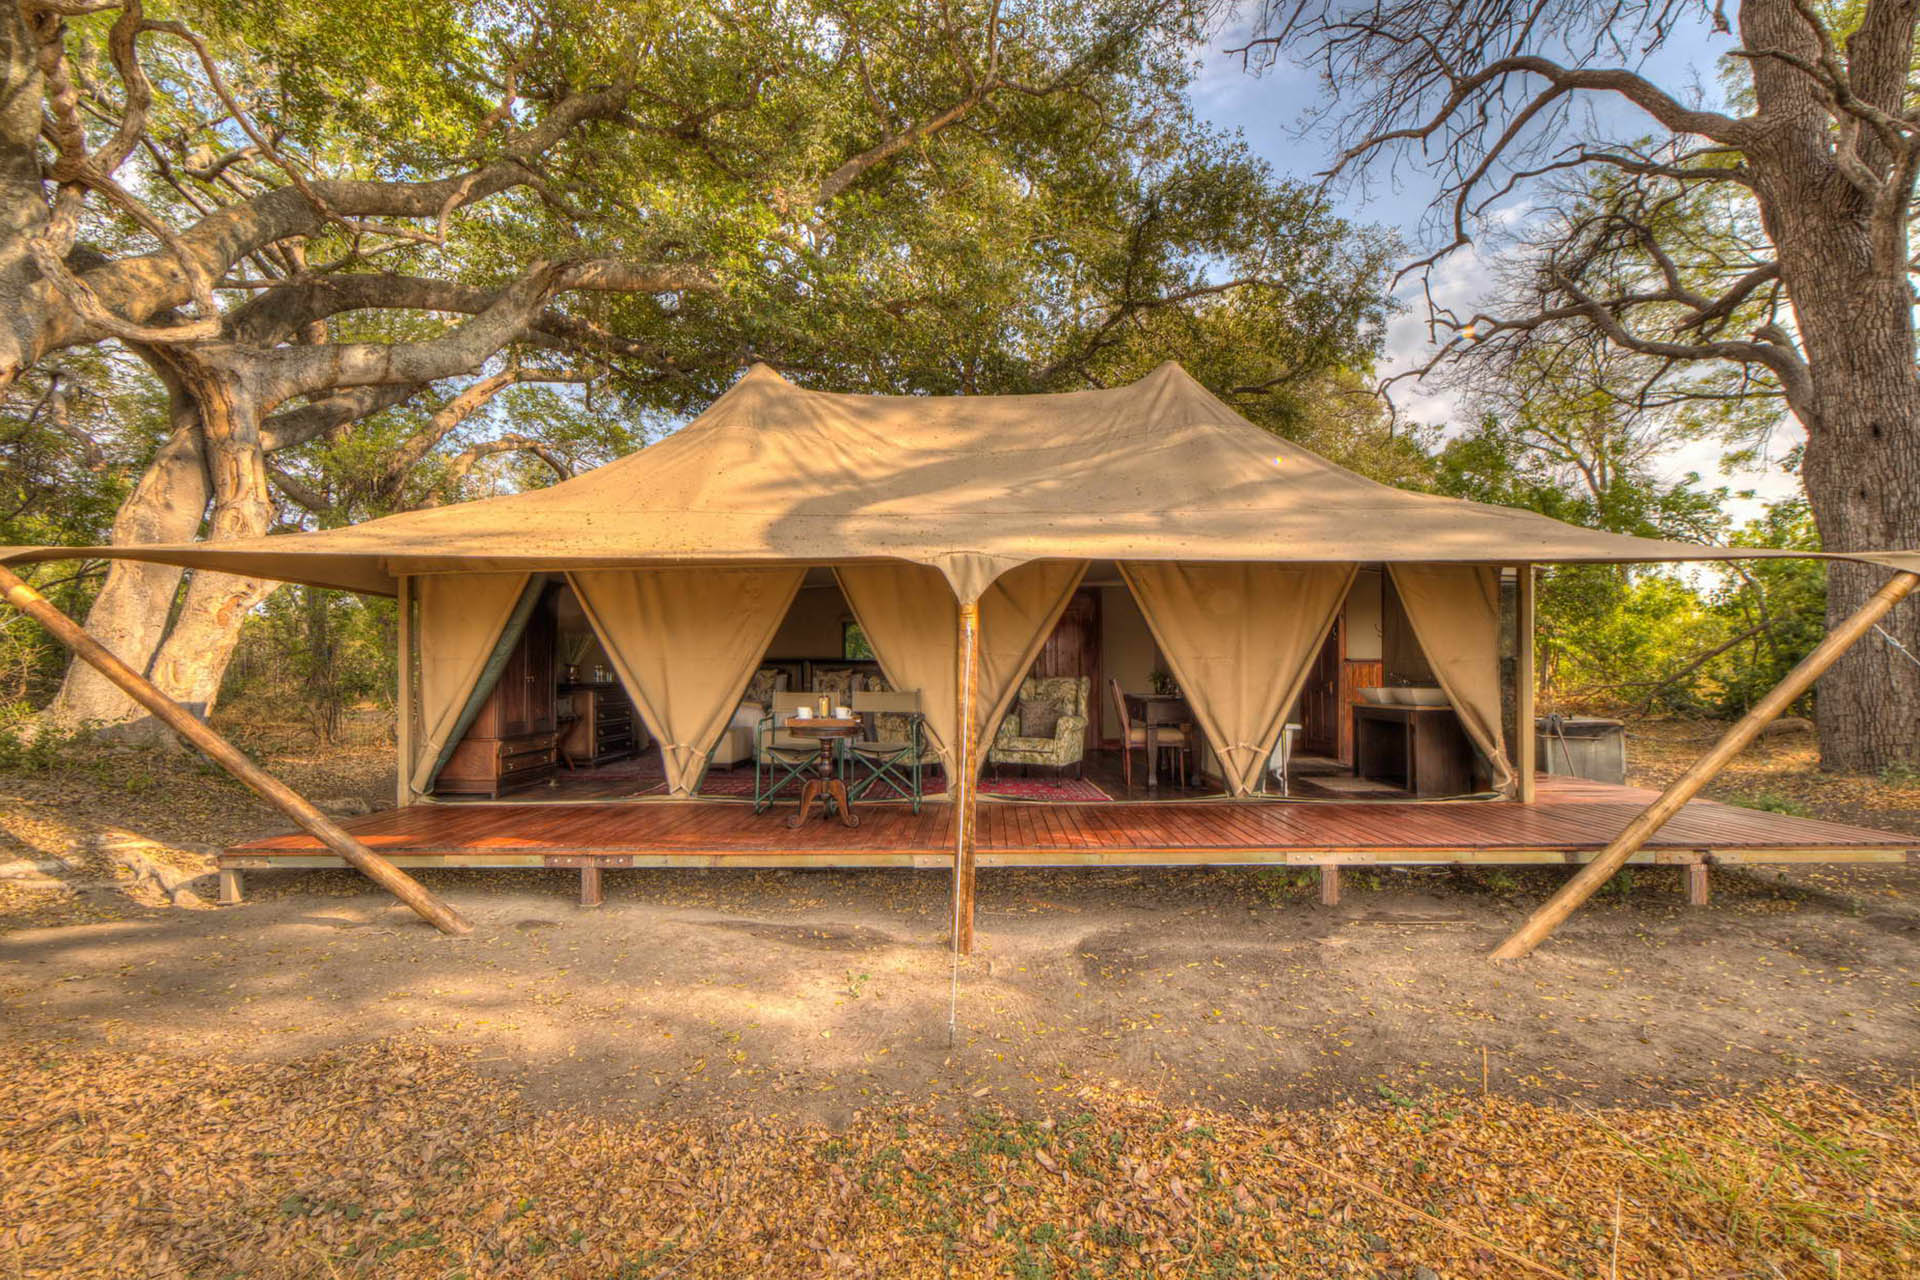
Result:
[{"x": 1066, "y": 697}]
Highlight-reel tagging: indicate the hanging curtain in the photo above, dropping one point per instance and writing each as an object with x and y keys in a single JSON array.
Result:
[
  {"x": 1240, "y": 639},
  {"x": 1454, "y": 610},
  {"x": 465, "y": 621},
  {"x": 685, "y": 642},
  {"x": 910, "y": 616}
]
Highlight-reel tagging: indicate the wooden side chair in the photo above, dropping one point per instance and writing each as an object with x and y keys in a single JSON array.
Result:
[
  {"x": 892, "y": 750},
  {"x": 1133, "y": 737}
]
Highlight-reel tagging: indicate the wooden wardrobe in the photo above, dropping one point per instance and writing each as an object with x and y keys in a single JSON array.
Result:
[{"x": 512, "y": 742}]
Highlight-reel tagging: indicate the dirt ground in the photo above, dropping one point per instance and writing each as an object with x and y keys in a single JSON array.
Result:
[{"x": 814, "y": 994}]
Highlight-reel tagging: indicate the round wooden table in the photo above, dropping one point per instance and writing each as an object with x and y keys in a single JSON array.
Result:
[{"x": 829, "y": 788}]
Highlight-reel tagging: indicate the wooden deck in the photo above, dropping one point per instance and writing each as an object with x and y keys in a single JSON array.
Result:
[{"x": 1571, "y": 822}]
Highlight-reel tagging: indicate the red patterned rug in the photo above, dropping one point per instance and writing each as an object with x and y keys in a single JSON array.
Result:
[
  {"x": 732, "y": 784},
  {"x": 1058, "y": 790}
]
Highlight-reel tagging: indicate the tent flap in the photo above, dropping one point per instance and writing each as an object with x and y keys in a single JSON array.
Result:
[
  {"x": 685, "y": 643},
  {"x": 462, "y": 620},
  {"x": 911, "y": 617},
  {"x": 1241, "y": 639},
  {"x": 1454, "y": 610}
]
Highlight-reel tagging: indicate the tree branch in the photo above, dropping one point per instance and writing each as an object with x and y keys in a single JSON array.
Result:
[{"x": 292, "y": 371}]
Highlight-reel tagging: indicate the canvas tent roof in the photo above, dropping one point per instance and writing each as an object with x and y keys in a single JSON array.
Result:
[{"x": 971, "y": 485}]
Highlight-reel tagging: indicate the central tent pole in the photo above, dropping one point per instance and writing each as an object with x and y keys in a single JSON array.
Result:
[
  {"x": 967, "y": 678},
  {"x": 1577, "y": 890},
  {"x": 227, "y": 756}
]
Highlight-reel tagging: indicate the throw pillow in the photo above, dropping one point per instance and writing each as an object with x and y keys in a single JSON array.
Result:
[
  {"x": 892, "y": 726},
  {"x": 766, "y": 682},
  {"x": 1038, "y": 719}
]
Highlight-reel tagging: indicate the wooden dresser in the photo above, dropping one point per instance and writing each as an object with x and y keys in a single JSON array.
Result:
[
  {"x": 512, "y": 742},
  {"x": 598, "y": 725}
]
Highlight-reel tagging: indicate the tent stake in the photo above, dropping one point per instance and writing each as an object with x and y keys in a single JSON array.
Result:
[
  {"x": 1577, "y": 890},
  {"x": 227, "y": 756},
  {"x": 963, "y": 788}
]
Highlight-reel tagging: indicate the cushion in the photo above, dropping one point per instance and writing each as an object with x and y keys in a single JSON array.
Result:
[
  {"x": 1038, "y": 719},
  {"x": 766, "y": 682},
  {"x": 838, "y": 681},
  {"x": 892, "y": 726},
  {"x": 747, "y": 715}
]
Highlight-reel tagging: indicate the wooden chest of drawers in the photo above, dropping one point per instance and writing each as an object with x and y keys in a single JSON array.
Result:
[
  {"x": 489, "y": 766},
  {"x": 598, "y": 724}
]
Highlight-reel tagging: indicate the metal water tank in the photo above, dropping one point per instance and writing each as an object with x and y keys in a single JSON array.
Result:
[{"x": 1581, "y": 747}]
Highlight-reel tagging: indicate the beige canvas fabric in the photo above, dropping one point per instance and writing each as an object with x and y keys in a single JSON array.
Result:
[
  {"x": 912, "y": 619},
  {"x": 971, "y": 486},
  {"x": 1240, "y": 639},
  {"x": 1455, "y": 613},
  {"x": 461, "y": 618},
  {"x": 685, "y": 642}
]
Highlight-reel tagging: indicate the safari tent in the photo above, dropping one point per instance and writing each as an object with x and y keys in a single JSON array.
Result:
[{"x": 955, "y": 535}]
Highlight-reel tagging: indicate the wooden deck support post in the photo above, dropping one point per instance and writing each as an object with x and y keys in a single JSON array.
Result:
[
  {"x": 233, "y": 886},
  {"x": 1693, "y": 878},
  {"x": 966, "y": 678},
  {"x": 1589, "y": 878},
  {"x": 590, "y": 893},
  {"x": 227, "y": 756},
  {"x": 1330, "y": 885}
]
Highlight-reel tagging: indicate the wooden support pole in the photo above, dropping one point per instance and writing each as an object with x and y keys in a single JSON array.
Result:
[
  {"x": 590, "y": 894},
  {"x": 1694, "y": 878},
  {"x": 1523, "y": 678},
  {"x": 1330, "y": 885},
  {"x": 227, "y": 756},
  {"x": 966, "y": 679},
  {"x": 233, "y": 886},
  {"x": 404, "y": 700},
  {"x": 1689, "y": 784}
]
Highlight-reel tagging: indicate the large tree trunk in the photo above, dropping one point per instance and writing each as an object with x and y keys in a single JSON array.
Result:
[
  {"x": 1862, "y": 474},
  {"x": 194, "y": 657},
  {"x": 214, "y": 452},
  {"x": 1853, "y": 308},
  {"x": 130, "y": 614},
  {"x": 23, "y": 211}
]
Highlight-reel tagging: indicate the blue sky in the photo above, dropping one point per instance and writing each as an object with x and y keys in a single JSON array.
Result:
[{"x": 1268, "y": 110}]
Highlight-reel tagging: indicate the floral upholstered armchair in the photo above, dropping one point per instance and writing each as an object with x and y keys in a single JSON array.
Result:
[{"x": 1047, "y": 724}]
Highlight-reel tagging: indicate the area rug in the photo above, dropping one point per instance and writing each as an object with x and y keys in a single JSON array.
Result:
[{"x": 1055, "y": 790}]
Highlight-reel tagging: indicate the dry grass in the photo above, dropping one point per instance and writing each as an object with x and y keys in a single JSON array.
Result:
[
  {"x": 1780, "y": 772},
  {"x": 400, "y": 1161}
]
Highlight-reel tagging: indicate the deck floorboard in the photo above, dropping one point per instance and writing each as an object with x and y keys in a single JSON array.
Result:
[{"x": 1570, "y": 819}]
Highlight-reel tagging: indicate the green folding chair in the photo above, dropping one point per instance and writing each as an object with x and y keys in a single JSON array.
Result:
[
  {"x": 891, "y": 750},
  {"x": 781, "y": 758}
]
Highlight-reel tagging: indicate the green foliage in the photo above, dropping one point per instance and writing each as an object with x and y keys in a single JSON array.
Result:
[
  {"x": 313, "y": 656},
  {"x": 1774, "y": 803},
  {"x": 1779, "y": 605},
  {"x": 55, "y": 489},
  {"x": 1695, "y": 641}
]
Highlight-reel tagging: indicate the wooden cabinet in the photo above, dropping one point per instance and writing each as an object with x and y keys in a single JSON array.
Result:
[
  {"x": 1422, "y": 749},
  {"x": 511, "y": 743},
  {"x": 597, "y": 725}
]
